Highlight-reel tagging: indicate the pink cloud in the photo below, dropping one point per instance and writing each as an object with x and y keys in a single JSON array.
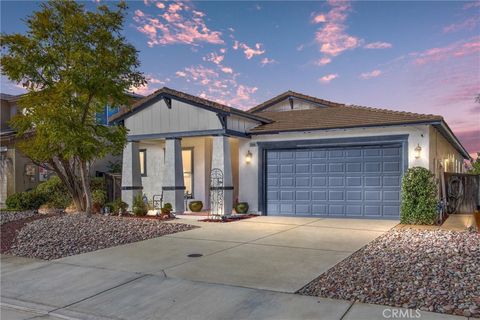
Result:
[
  {"x": 371, "y": 74},
  {"x": 227, "y": 69},
  {"x": 214, "y": 57},
  {"x": 472, "y": 4},
  {"x": 378, "y": 45},
  {"x": 249, "y": 51},
  {"x": 323, "y": 61},
  {"x": 160, "y": 5},
  {"x": 265, "y": 61},
  {"x": 455, "y": 50},
  {"x": 152, "y": 84},
  {"x": 328, "y": 78},
  {"x": 221, "y": 87},
  {"x": 319, "y": 18},
  {"x": 179, "y": 24},
  {"x": 469, "y": 138},
  {"x": 467, "y": 24},
  {"x": 332, "y": 37}
]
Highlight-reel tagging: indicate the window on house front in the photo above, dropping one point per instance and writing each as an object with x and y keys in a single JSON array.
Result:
[
  {"x": 143, "y": 162},
  {"x": 187, "y": 159}
]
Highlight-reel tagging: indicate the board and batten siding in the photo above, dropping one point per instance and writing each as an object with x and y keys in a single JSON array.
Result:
[
  {"x": 298, "y": 104},
  {"x": 158, "y": 118},
  {"x": 240, "y": 124}
]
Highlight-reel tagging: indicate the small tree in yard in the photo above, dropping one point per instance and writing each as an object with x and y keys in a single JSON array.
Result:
[
  {"x": 72, "y": 63},
  {"x": 419, "y": 197}
]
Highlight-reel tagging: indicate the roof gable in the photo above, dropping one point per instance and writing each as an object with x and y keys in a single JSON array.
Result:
[
  {"x": 296, "y": 101},
  {"x": 168, "y": 94}
]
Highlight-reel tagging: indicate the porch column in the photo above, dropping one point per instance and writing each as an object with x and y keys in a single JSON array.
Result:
[
  {"x": 131, "y": 178},
  {"x": 221, "y": 159},
  {"x": 173, "y": 185}
]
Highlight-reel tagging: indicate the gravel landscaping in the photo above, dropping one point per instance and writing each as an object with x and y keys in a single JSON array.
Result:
[
  {"x": 431, "y": 270},
  {"x": 70, "y": 234},
  {"x": 8, "y": 216}
]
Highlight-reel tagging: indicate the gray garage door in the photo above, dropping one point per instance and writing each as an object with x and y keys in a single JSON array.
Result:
[{"x": 348, "y": 181}]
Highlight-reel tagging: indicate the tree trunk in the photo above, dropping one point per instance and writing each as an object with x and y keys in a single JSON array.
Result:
[
  {"x": 86, "y": 186},
  {"x": 64, "y": 171}
]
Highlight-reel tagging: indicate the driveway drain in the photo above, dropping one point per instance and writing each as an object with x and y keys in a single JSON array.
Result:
[{"x": 194, "y": 255}]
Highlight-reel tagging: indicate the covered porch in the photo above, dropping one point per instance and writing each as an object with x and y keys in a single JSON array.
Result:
[
  {"x": 177, "y": 169},
  {"x": 175, "y": 141}
]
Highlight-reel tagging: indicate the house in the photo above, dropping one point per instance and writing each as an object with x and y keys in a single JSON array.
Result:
[
  {"x": 291, "y": 155},
  {"x": 17, "y": 172}
]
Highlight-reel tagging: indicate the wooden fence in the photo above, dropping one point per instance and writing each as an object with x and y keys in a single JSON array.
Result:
[
  {"x": 462, "y": 192},
  {"x": 113, "y": 184}
]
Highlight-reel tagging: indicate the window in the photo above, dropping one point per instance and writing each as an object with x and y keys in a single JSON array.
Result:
[
  {"x": 143, "y": 162},
  {"x": 187, "y": 159}
]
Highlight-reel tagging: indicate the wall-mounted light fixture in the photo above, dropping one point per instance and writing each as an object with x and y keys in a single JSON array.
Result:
[
  {"x": 248, "y": 157},
  {"x": 418, "y": 151}
]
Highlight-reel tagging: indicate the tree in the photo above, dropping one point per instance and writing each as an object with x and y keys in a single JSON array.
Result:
[
  {"x": 475, "y": 165},
  {"x": 72, "y": 63}
]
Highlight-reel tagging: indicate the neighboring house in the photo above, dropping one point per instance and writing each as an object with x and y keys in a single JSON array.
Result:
[
  {"x": 291, "y": 155},
  {"x": 17, "y": 172}
]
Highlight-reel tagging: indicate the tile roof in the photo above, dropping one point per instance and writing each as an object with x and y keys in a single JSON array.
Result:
[
  {"x": 336, "y": 117},
  {"x": 125, "y": 111}
]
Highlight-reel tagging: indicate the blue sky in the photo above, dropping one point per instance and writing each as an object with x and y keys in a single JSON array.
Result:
[{"x": 413, "y": 56}]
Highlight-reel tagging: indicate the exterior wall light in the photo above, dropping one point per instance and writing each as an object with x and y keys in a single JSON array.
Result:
[
  {"x": 418, "y": 152},
  {"x": 248, "y": 157}
]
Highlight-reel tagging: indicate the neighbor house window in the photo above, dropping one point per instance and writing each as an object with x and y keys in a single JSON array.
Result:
[
  {"x": 187, "y": 159},
  {"x": 143, "y": 162}
]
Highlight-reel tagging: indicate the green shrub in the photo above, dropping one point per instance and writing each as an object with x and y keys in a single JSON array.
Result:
[
  {"x": 117, "y": 206},
  {"x": 55, "y": 193},
  {"x": 28, "y": 200},
  {"x": 139, "y": 207},
  {"x": 97, "y": 183},
  {"x": 99, "y": 197},
  {"x": 419, "y": 197}
]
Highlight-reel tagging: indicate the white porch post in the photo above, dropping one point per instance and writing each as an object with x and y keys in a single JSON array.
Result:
[
  {"x": 173, "y": 185},
  {"x": 221, "y": 159},
  {"x": 131, "y": 178}
]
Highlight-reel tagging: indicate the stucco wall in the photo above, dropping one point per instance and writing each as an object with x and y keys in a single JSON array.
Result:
[
  {"x": 444, "y": 154},
  {"x": 248, "y": 176},
  {"x": 202, "y": 156}
]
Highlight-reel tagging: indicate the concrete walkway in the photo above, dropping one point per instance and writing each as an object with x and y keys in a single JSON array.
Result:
[{"x": 249, "y": 270}]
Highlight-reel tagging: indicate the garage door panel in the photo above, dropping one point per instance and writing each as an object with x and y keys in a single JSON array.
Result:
[
  {"x": 346, "y": 181},
  {"x": 319, "y": 168},
  {"x": 319, "y": 195},
  {"x": 302, "y": 195},
  {"x": 336, "y": 195},
  {"x": 336, "y": 182},
  {"x": 302, "y": 181}
]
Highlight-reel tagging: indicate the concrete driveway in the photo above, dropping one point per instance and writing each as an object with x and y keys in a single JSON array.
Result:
[
  {"x": 273, "y": 253},
  {"x": 249, "y": 270}
]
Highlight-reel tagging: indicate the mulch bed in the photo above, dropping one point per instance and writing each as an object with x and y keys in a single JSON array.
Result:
[
  {"x": 57, "y": 236},
  {"x": 431, "y": 270},
  {"x": 230, "y": 219}
]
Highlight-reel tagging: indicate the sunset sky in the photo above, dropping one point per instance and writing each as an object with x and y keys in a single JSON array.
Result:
[{"x": 412, "y": 56}]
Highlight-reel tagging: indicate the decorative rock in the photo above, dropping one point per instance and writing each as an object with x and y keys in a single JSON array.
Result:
[
  {"x": 434, "y": 270},
  {"x": 70, "y": 234}
]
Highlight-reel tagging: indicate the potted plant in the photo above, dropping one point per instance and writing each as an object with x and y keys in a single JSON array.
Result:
[
  {"x": 139, "y": 207},
  {"x": 195, "y": 206},
  {"x": 99, "y": 197},
  {"x": 166, "y": 210},
  {"x": 241, "y": 207}
]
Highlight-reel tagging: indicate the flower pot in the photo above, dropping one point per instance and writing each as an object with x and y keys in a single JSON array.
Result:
[
  {"x": 195, "y": 206},
  {"x": 241, "y": 207}
]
